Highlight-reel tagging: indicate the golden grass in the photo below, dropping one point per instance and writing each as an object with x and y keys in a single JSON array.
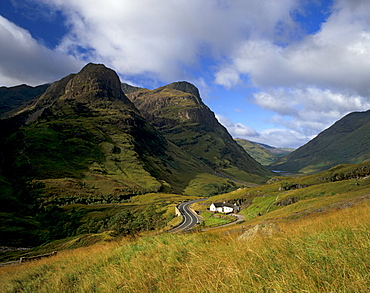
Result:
[{"x": 327, "y": 252}]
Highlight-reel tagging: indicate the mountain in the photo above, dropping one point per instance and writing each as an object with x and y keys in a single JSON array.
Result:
[
  {"x": 84, "y": 126},
  {"x": 14, "y": 97},
  {"x": 346, "y": 141},
  {"x": 82, "y": 142},
  {"x": 262, "y": 153},
  {"x": 179, "y": 113}
]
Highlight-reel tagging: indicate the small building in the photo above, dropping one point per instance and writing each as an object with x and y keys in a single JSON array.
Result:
[{"x": 223, "y": 207}]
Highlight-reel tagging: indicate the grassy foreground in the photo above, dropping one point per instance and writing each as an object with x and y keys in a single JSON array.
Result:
[{"x": 323, "y": 252}]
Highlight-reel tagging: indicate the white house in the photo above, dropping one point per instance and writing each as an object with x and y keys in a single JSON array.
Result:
[{"x": 223, "y": 207}]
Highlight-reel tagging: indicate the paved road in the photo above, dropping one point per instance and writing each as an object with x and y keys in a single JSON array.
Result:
[{"x": 189, "y": 218}]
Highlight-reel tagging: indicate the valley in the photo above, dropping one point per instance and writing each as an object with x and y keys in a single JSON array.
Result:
[{"x": 95, "y": 169}]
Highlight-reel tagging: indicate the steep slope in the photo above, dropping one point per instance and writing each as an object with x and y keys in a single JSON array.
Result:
[
  {"x": 179, "y": 113},
  {"x": 347, "y": 141},
  {"x": 84, "y": 128},
  {"x": 14, "y": 97},
  {"x": 262, "y": 153}
]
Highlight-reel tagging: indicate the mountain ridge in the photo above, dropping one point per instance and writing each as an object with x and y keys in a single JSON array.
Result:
[{"x": 178, "y": 112}]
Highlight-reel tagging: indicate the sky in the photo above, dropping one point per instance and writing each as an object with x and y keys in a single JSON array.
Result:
[{"x": 277, "y": 72}]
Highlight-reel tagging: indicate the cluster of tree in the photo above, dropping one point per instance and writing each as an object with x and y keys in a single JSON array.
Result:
[
  {"x": 91, "y": 199},
  {"x": 28, "y": 220},
  {"x": 284, "y": 186},
  {"x": 125, "y": 222}
]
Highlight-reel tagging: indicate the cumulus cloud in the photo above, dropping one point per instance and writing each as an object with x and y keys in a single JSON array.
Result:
[
  {"x": 300, "y": 114},
  {"x": 283, "y": 137},
  {"x": 24, "y": 60},
  {"x": 309, "y": 110},
  {"x": 165, "y": 38},
  {"x": 278, "y": 137},
  {"x": 337, "y": 56}
]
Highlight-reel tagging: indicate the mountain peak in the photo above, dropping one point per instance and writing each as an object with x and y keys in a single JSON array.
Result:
[
  {"x": 95, "y": 80},
  {"x": 185, "y": 87}
]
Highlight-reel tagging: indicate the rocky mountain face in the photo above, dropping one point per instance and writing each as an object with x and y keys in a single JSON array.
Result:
[
  {"x": 346, "y": 141},
  {"x": 178, "y": 112}
]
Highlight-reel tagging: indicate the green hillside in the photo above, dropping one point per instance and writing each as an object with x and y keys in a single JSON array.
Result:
[
  {"x": 178, "y": 112},
  {"x": 264, "y": 154},
  {"x": 347, "y": 141},
  {"x": 83, "y": 142},
  {"x": 318, "y": 242}
]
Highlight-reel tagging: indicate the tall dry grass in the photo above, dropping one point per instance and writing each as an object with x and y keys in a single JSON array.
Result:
[{"x": 320, "y": 253}]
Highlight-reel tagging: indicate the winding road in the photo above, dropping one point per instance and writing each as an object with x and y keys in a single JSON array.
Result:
[{"x": 190, "y": 220}]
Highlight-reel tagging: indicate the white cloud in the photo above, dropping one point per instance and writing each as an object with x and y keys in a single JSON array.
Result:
[
  {"x": 165, "y": 38},
  {"x": 336, "y": 57},
  {"x": 278, "y": 137},
  {"x": 237, "y": 129},
  {"x": 23, "y": 60},
  {"x": 300, "y": 115},
  {"x": 307, "y": 83},
  {"x": 309, "y": 109}
]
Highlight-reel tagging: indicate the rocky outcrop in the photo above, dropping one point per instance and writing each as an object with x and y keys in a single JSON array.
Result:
[
  {"x": 287, "y": 201},
  {"x": 266, "y": 229},
  {"x": 38, "y": 257}
]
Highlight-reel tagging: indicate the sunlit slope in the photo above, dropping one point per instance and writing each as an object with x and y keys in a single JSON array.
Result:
[{"x": 178, "y": 112}]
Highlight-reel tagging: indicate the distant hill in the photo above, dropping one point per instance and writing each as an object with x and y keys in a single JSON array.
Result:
[
  {"x": 16, "y": 96},
  {"x": 262, "y": 153},
  {"x": 347, "y": 141},
  {"x": 178, "y": 112}
]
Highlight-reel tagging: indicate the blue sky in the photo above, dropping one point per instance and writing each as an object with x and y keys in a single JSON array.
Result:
[{"x": 275, "y": 72}]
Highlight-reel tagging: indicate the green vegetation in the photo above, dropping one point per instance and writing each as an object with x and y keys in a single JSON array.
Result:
[
  {"x": 84, "y": 143},
  {"x": 209, "y": 185},
  {"x": 210, "y": 219},
  {"x": 321, "y": 253},
  {"x": 300, "y": 196}
]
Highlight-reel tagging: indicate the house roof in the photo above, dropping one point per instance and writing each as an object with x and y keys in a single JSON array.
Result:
[{"x": 224, "y": 204}]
